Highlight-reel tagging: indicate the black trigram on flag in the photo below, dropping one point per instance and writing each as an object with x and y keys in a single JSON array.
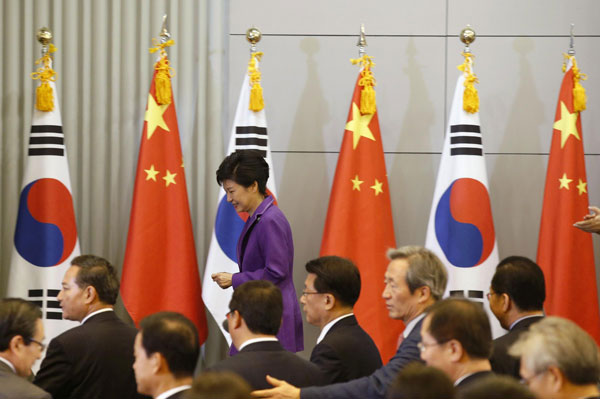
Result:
[
  {"x": 46, "y": 140},
  {"x": 48, "y": 302},
  {"x": 473, "y": 295},
  {"x": 252, "y": 138},
  {"x": 465, "y": 140}
]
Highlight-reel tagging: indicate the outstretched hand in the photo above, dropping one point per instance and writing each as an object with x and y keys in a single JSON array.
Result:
[
  {"x": 280, "y": 390},
  {"x": 590, "y": 222}
]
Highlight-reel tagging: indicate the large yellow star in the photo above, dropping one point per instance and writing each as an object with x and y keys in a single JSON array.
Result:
[
  {"x": 359, "y": 126},
  {"x": 356, "y": 182},
  {"x": 377, "y": 187},
  {"x": 564, "y": 181},
  {"x": 154, "y": 116},
  {"x": 151, "y": 173},
  {"x": 582, "y": 187},
  {"x": 169, "y": 178},
  {"x": 567, "y": 124}
]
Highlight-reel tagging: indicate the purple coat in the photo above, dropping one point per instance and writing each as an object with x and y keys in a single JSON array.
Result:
[{"x": 265, "y": 251}]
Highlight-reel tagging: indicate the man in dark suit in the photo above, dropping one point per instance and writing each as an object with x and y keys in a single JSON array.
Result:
[
  {"x": 253, "y": 321},
  {"x": 21, "y": 336},
  {"x": 166, "y": 351},
  {"x": 93, "y": 360},
  {"x": 414, "y": 280},
  {"x": 344, "y": 351},
  {"x": 516, "y": 297},
  {"x": 456, "y": 337}
]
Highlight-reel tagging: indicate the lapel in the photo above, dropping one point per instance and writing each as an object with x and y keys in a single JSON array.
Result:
[{"x": 250, "y": 223}]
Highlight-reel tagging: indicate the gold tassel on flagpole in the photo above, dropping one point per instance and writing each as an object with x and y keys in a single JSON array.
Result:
[
  {"x": 44, "y": 100},
  {"x": 579, "y": 96},
  {"x": 257, "y": 101},
  {"x": 470, "y": 95},
  {"x": 164, "y": 72},
  {"x": 368, "y": 104}
]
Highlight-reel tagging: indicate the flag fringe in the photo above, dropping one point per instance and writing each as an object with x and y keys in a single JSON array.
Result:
[
  {"x": 44, "y": 98},
  {"x": 368, "y": 103},
  {"x": 470, "y": 95},
  {"x": 164, "y": 72},
  {"x": 257, "y": 102},
  {"x": 579, "y": 96}
]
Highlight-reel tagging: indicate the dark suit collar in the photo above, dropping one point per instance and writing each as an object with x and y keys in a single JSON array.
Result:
[
  {"x": 526, "y": 322},
  {"x": 106, "y": 315},
  {"x": 344, "y": 322},
  {"x": 269, "y": 346},
  {"x": 472, "y": 377}
]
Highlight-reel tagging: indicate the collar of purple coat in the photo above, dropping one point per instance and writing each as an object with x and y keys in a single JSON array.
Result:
[{"x": 264, "y": 205}]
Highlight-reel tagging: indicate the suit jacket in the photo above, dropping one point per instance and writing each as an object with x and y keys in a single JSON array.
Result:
[
  {"x": 265, "y": 251},
  {"x": 375, "y": 385},
  {"x": 92, "y": 361},
  {"x": 472, "y": 378},
  {"x": 502, "y": 362},
  {"x": 257, "y": 360},
  {"x": 13, "y": 386},
  {"x": 346, "y": 352},
  {"x": 178, "y": 395}
]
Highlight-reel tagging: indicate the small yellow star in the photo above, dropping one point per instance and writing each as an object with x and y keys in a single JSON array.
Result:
[
  {"x": 154, "y": 116},
  {"x": 356, "y": 182},
  {"x": 377, "y": 187},
  {"x": 564, "y": 181},
  {"x": 359, "y": 126},
  {"x": 169, "y": 178},
  {"x": 151, "y": 173},
  {"x": 582, "y": 187},
  {"x": 567, "y": 124}
]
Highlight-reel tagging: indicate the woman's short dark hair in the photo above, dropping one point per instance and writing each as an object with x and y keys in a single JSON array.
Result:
[
  {"x": 99, "y": 273},
  {"x": 337, "y": 276},
  {"x": 245, "y": 167},
  {"x": 17, "y": 317}
]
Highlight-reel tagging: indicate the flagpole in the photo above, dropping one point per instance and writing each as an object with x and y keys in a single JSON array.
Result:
[
  {"x": 362, "y": 41},
  {"x": 571, "y": 51}
]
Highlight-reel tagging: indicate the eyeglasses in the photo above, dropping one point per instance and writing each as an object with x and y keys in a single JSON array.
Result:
[
  {"x": 305, "y": 293},
  {"x": 527, "y": 381},
  {"x": 423, "y": 347},
  {"x": 42, "y": 346}
]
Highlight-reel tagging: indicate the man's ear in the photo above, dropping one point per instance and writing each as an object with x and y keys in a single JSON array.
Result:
[
  {"x": 555, "y": 379},
  {"x": 506, "y": 302},
  {"x": 158, "y": 362},
  {"x": 456, "y": 350},
  {"x": 16, "y": 343},
  {"x": 329, "y": 301},
  {"x": 424, "y": 293},
  {"x": 90, "y": 294}
]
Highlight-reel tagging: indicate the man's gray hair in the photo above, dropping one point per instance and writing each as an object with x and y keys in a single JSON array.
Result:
[
  {"x": 424, "y": 269},
  {"x": 558, "y": 342}
]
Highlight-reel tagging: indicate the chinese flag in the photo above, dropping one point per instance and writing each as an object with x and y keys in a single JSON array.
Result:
[
  {"x": 160, "y": 271},
  {"x": 359, "y": 222},
  {"x": 565, "y": 253}
]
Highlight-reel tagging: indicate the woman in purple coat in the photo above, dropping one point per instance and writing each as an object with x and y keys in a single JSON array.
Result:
[{"x": 265, "y": 249}]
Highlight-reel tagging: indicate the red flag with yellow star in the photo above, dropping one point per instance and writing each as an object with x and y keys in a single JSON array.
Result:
[
  {"x": 565, "y": 253},
  {"x": 160, "y": 270},
  {"x": 359, "y": 222}
]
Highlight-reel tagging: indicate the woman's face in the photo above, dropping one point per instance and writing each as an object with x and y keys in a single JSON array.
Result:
[{"x": 243, "y": 199}]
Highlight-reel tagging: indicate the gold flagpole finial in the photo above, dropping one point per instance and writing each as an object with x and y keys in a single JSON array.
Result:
[
  {"x": 164, "y": 33},
  {"x": 44, "y": 36},
  {"x": 253, "y": 35},
  {"x": 45, "y": 74},
  {"x": 467, "y": 36},
  {"x": 362, "y": 41}
]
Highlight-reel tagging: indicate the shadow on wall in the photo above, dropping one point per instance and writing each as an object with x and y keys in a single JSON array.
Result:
[
  {"x": 526, "y": 123},
  {"x": 412, "y": 209},
  {"x": 304, "y": 189}
]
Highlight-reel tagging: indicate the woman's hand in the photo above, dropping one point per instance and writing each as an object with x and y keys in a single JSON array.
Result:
[{"x": 223, "y": 279}]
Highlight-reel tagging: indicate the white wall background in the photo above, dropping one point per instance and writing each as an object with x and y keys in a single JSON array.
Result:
[{"x": 308, "y": 81}]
